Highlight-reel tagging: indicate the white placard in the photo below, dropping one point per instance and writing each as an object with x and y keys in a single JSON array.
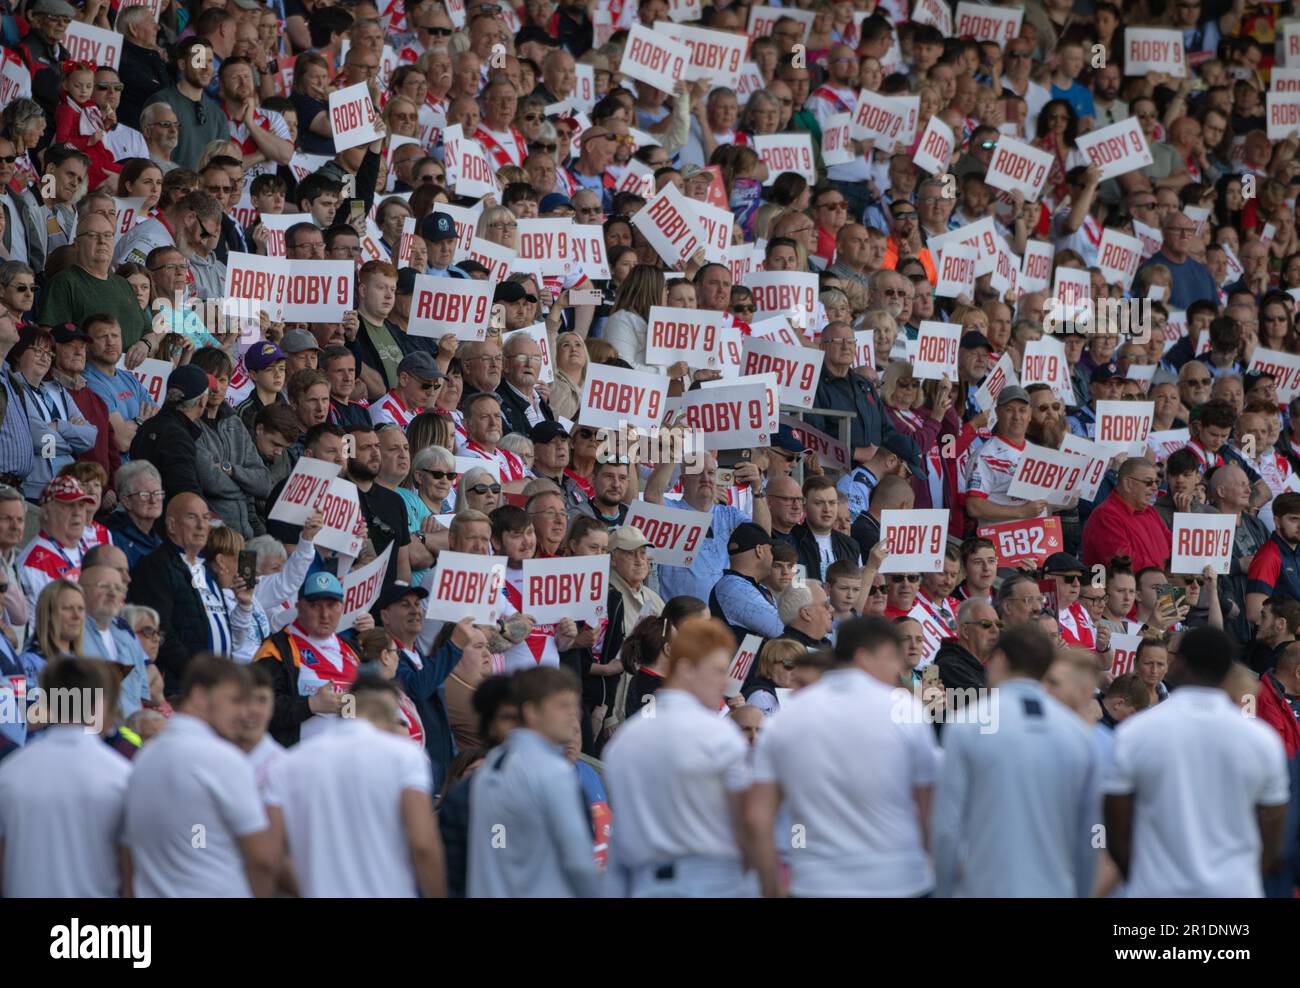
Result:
[
  {"x": 882, "y": 119},
  {"x": 15, "y": 79},
  {"x": 763, "y": 19},
  {"x": 1044, "y": 363},
  {"x": 353, "y": 117},
  {"x": 498, "y": 259},
  {"x": 587, "y": 244},
  {"x": 654, "y": 58},
  {"x": 1017, "y": 166},
  {"x": 450, "y": 305},
  {"x": 318, "y": 291},
  {"x": 303, "y": 490},
  {"x": 792, "y": 294},
  {"x": 797, "y": 369},
  {"x": 1200, "y": 541},
  {"x": 675, "y": 334},
  {"x": 258, "y": 280},
  {"x": 837, "y": 146},
  {"x": 543, "y": 245},
  {"x": 984, "y": 23},
  {"x": 87, "y": 43},
  {"x": 830, "y": 451},
  {"x": 730, "y": 415},
  {"x": 1116, "y": 150},
  {"x": 934, "y": 12},
  {"x": 982, "y": 235},
  {"x": 1164, "y": 443},
  {"x": 1097, "y": 460},
  {"x": 956, "y": 264},
  {"x": 750, "y": 82},
  {"x": 1118, "y": 257},
  {"x": 470, "y": 171},
  {"x": 465, "y": 584},
  {"x": 345, "y": 524},
  {"x": 277, "y": 224},
  {"x": 1151, "y": 237},
  {"x": 575, "y": 587},
  {"x": 614, "y": 396},
  {"x": 717, "y": 226},
  {"x": 1285, "y": 368},
  {"x": 717, "y": 56},
  {"x": 668, "y": 223},
  {"x": 864, "y": 348},
  {"x": 362, "y": 588},
  {"x": 1123, "y": 649},
  {"x": 786, "y": 153},
  {"x": 675, "y": 534},
  {"x": 934, "y": 152},
  {"x": 936, "y": 351},
  {"x": 1153, "y": 49},
  {"x": 1283, "y": 114},
  {"x": 1048, "y": 475},
  {"x": 1003, "y": 375},
  {"x": 741, "y": 663},
  {"x": 1123, "y": 426},
  {"x": 128, "y": 213},
  {"x": 1036, "y": 266},
  {"x": 1071, "y": 298},
  {"x": 917, "y": 539}
]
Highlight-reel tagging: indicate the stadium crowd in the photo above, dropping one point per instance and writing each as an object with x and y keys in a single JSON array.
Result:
[{"x": 1051, "y": 706}]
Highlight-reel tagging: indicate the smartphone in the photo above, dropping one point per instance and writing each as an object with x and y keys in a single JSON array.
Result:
[
  {"x": 1165, "y": 596},
  {"x": 357, "y": 214},
  {"x": 247, "y": 567},
  {"x": 732, "y": 458},
  {"x": 724, "y": 477},
  {"x": 583, "y": 296},
  {"x": 930, "y": 675}
]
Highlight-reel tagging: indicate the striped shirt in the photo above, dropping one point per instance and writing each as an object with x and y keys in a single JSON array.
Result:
[
  {"x": 391, "y": 408},
  {"x": 16, "y": 450},
  {"x": 512, "y": 468}
]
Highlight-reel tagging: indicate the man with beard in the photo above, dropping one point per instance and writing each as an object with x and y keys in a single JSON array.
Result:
[
  {"x": 551, "y": 454},
  {"x": 609, "y": 481},
  {"x": 1047, "y": 427},
  {"x": 383, "y": 510},
  {"x": 1105, "y": 96}
]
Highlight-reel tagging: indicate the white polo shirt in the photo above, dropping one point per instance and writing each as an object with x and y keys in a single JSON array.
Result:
[
  {"x": 847, "y": 764},
  {"x": 192, "y": 797},
  {"x": 62, "y": 803},
  {"x": 265, "y": 754},
  {"x": 1197, "y": 769},
  {"x": 669, "y": 775},
  {"x": 344, "y": 788}
]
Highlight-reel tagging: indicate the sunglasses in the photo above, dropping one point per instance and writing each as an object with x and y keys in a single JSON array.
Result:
[
  {"x": 439, "y": 474},
  {"x": 481, "y": 489},
  {"x": 586, "y": 433},
  {"x": 875, "y": 590},
  {"x": 548, "y": 148},
  {"x": 437, "y": 32},
  {"x": 8, "y": 159},
  {"x": 741, "y": 307},
  {"x": 905, "y": 577},
  {"x": 1198, "y": 580},
  {"x": 109, "y": 87},
  {"x": 986, "y": 624}
]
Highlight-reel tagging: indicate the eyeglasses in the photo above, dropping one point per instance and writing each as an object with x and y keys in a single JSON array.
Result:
[
  {"x": 1089, "y": 599},
  {"x": 112, "y": 87},
  {"x": 842, "y": 204},
  {"x": 908, "y": 577},
  {"x": 179, "y": 266},
  {"x": 524, "y": 358},
  {"x": 23, "y": 288},
  {"x": 986, "y": 624},
  {"x": 1199, "y": 581},
  {"x": 430, "y": 385},
  {"x": 586, "y": 433},
  {"x": 1034, "y": 599},
  {"x": 439, "y": 474},
  {"x": 149, "y": 633},
  {"x": 165, "y": 124},
  {"x": 494, "y": 360},
  {"x": 349, "y": 251},
  {"x": 503, "y": 225},
  {"x": 481, "y": 489},
  {"x": 908, "y": 384},
  {"x": 548, "y": 513},
  {"x": 1017, "y": 54},
  {"x": 532, "y": 117},
  {"x": 8, "y": 159},
  {"x": 146, "y": 495}
]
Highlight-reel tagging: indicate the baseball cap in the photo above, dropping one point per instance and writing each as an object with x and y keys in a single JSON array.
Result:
[
  {"x": 786, "y": 441},
  {"x": 1012, "y": 393},
  {"x": 470, "y": 266},
  {"x": 553, "y": 201},
  {"x": 512, "y": 291},
  {"x": 188, "y": 382},
  {"x": 406, "y": 281},
  {"x": 975, "y": 339},
  {"x": 422, "y": 365},
  {"x": 906, "y": 450},
  {"x": 55, "y": 8},
  {"x": 262, "y": 356},
  {"x": 69, "y": 333},
  {"x": 68, "y": 490},
  {"x": 747, "y": 536},
  {"x": 534, "y": 33},
  {"x": 298, "y": 341},
  {"x": 395, "y": 592},
  {"x": 627, "y": 537},
  {"x": 438, "y": 226},
  {"x": 1105, "y": 372},
  {"x": 321, "y": 586},
  {"x": 690, "y": 171},
  {"x": 1251, "y": 378},
  {"x": 1063, "y": 562},
  {"x": 547, "y": 431}
]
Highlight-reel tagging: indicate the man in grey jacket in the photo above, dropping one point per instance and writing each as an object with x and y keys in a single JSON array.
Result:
[{"x": 231, "y": 473}]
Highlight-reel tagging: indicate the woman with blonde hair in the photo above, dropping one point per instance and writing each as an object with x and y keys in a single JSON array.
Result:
[
  {"x": 970, "y": 319},
  {"x": 478, "y": 490},
  {"x": 600, "y": 351},
  {"x": 884, "y": 328},
  {"x": 775, "y": 671},
  {"x": 626, "y": 328},
  {"x": 60, "y": 624},
  {"x": 766, "y": 215},
  {"x": 498, "y": 225},
  {"x": 905, "y": 405},
  {"x": 570, "y": 375},
  {"x": 249, "y": 622}
]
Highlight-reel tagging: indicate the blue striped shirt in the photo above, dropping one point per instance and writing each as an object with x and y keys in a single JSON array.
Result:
[{"x": 16, "y": 451}]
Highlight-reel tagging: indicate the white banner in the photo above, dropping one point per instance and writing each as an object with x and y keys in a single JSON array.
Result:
[
  {"x": 796, "y": 370},
  {"x": 362, "y": 587},
  {"x": 450, "y": 305},
  {"x": 318, "y": 291},
  {"x": 353, "y": 117},
  {"x": 614, "y": 396},
  {"x": 498, "y": 259},
  {"x": 87, "y": 43},
  {"x": 465, "y": 584},
  {"x": 668, "y": 223},
  {"x": 983, "y": 23},
  {"x": 682, "y": 334},
  {"x": 544, "y": 245},
  {"x": 587, "y": 244},
  {"x": 1044, "y": 363},
  {"x": 837, "y": 146},
  {"x": 1285, "y": 368},
  {"x": 276, "y": 224},
  {"x": 1153, "y": 49},
  {"x": 675, "y": 534},
  {"x": 936, "y": 351},
  {"x": 717, "y": 56},
  {"x": 741, "y": 663},
  {"x": 1162, "y": 444},
  {"x": 1048, "y": 475},
  {"x": 1283, "y": 114},
  {"x": 303, "y": 491},
  {"x": 830, "y": 451},
  {"x": 792, "y": 294},
  {"x": 1118, "y": 257},
  {"x": 1123, "y": 426},
  {"x": 916, "y": 539},
  {"x": 344, "y": 523},
  {"x": 1123, "y": 650},
  {"x": 1019, "y": 166},
  {"x": 1097, "y": 460},
  {"x": 956, "y": 264},
  {"x": 1002, "y": 375},
  {"x": 257, "y": 280},
  {"x": 934, "y": 152},
  {"x": 981, "y": 235},
  {"x": 574, "y": 587},
  {"x": 1200, "y": 541},
  {"x": 881, "y": 119},
  {"x": 731, "y": 415},
  {"x": 1036, "y": 267},
  {"x": 653, "y": 57},
  {"x": 1116, "y": 150},
  {"x": 786, "y": 153}
]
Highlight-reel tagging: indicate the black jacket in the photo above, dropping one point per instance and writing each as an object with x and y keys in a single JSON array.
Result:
[
  {"x": 161, "y": 580},
  {"x": 958, "y": 668},
  {"x": 804, "y": 639},
  {"x": 170, "y": 442},
  {"x": 851, "y": 393},
  {"x": 143, "y": 72},
  {"x": 514, "y": 410},
  {"x": 366, "y": 353},
  {"x": 805, "y": 544}
]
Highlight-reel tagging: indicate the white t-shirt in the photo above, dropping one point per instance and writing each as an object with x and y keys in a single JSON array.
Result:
[
  {"x": 341, "y": 797},
  {"x": 859, "y": 832},
  {"x": 191, "y": 798},
  {"x": 62, "y": 808},
  {"x": 1197, "y": 769},
  {"x": 265, "y": 754},
  {"x": 825, "y": 550},
  {"x": 126, "y": 142},
  {"x": 670, "y": 775}
]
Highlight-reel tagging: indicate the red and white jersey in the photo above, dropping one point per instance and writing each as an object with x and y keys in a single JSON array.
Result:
[
  {"x": 828, "y": 100},
  {"x": 240, "y": 387},
  {"x": 432, "y": 123},
  {"x": 538, "y": 649},
  {"x": 505, "y": 147},
  {"x": 1208, "y": 461},
  {"x": 267, "y": 120},
  {"x": 43, "y": 561},
  {"x": 991, "y": 471},
  {"x": 565, "y": 182},
  {"x": 1077, "y": 628},
  {"x": 511, "y": 467},
  {"x": 1276, "y": 471},
  {"x": 458, "y": 423},
  {"x": 944, "y": 611},
  {"x": 390, "y": 408},
  {"x": 95, "y": 534}
]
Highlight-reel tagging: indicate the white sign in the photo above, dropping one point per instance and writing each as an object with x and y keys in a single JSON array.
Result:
[
  {"x": 717, "y": 56},
  {"x": 1017, "y": 166},
  {"x": 717, "y": 225},
  {"x": 450, "y": 305},
  {"x": 1044, "y": 363},
  {"x": 344, "y": 523},
  {"x": 669, "y": 225},
  {"x": 257, "y": 280},
  {"x": 982, "y": 235},
  {"x": 353, "y": 117},
  {"x": 1002, "y": 375},
  {"x": 318, "y": 291},
  {"x": 614, "y": 396},
  {"x": 1162, "y": 444},
  {"x": 916, "y": 539},
  {"x": 763, "y": 19},
  {"x": 797, "y": 369},
  {"x": 1116, "y": 150},
  {"x": 1285, "y": 368},
  {"x": 864, "y": 348},
  {"x": 1097, "y": 460},
  {"x": 544, "y": 245},
  {"x": 654, "y": 58},
  {"x": 276, "y": 225},
  {"x": 1118, "y": 257},
  {"x": 575, "y": 587},
  {"x": 465, "y": 584},
  {"x": 1000, "y": 24},
  {"x": 1153, "y": 49},
  {"x": 1123, "y": 648},
  {"x": 730, "y": 416},
  {"x": 792, "y": 294},
  {"x": 1036, "y": 268},
  {"x": 497, "y": 258},
  {"x": 936, "y": 351},
  {"x": 934, "y": 152},
  {"x": 1200, "y": 541},
  {"x": 87, "y": 43},
  {"x": 303, "y": 491},
  {"x": 362, "y": 587},
  {"x": 882, "y": 119},
  {"x": 741, "y": 663},
  {"x": 786, "y": 153},
  {"x": 1123, "y": 426},
  {"x": 830, "y": 451},
  {"x": 1048, "y": 475},
  {"x": 675, "y": 534},
  {"x": 956, "y": 263},
  {"x": 587, "y": 245},
  {"x": 1283, "y": 114},
  {"x": 837, "y": 146},
  {"x": 675, "y": 334}
]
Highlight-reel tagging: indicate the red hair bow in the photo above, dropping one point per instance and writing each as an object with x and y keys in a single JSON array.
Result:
[{"x": 71, "y": 65}]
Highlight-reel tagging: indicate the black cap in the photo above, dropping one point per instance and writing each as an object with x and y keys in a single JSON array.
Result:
[
  {"x": 512, "y": 291},
  {"x": 406, "y": 281},
  {"x": 906, "y": 450},
  {"x": 472, "y": 267},
  {"x": 69, "y": 333},
  {"x": 547, "y": 431},
  {"x": 421, "y": 364},
  {"x": 395, "y": 592},
  {"x": 534, "y": 33},
  {"x": 438, "y": 226},
  {"x": 1105, "y": 372},
  {"x": 975, "y": 339},
  {"x": 1258, "y": 374},
  {"x": 786, "y": 441},
  {"x": 747, "y": 536},
  {"x": 1063, "y": 562},
  {"x": 188, "y": 381}
]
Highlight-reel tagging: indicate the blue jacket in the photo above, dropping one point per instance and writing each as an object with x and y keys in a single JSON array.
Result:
[
  {"x": 851, "y": 393},
  {"x": 135, "y": 685},
  {"x": 425, "y": 688},
  {"x": 127, "y": 537}
]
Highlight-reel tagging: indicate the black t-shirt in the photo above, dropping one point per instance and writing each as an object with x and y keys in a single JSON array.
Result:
[{"x": 385, "y": 514}]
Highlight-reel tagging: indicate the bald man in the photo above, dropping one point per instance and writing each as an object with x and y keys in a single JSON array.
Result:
[
  {"x": 750, "y": 721},
  {"x": 179, "y": 583},
  {"x": 852, "y": 255}
]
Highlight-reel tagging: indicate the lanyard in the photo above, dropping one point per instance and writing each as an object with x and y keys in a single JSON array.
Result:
[{"x": 51, "y": 406}]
